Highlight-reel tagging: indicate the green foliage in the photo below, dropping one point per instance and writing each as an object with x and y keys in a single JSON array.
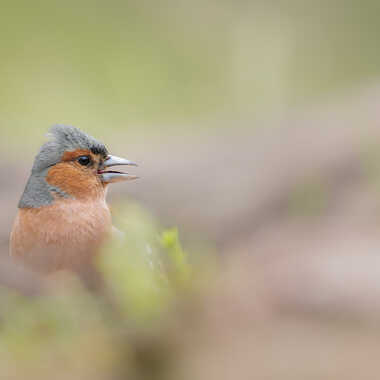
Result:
[
  {"x": 144, "y": 267},
  {"x": 179, "y": 267},
  {"x": 134, "y": 66},
  {"x": 145, "y": 272}
]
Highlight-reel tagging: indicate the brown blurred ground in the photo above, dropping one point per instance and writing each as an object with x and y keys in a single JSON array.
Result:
[
  {"x": 294, "y": 209},
  {"x": 303, "y": 182}
]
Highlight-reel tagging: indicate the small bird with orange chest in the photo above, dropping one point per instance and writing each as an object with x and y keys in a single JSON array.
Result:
[{"x": 63, "y": 218}]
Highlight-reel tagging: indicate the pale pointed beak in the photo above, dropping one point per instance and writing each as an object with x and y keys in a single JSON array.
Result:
[
  {"x": 114, "y": 161},
  {"x": 110, "y": 176}
]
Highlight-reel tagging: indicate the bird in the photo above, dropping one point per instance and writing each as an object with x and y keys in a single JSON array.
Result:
[{"x": 63, "y": 218}]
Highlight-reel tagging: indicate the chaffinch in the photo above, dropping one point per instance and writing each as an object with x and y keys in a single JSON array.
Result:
[{"x": 63, "y": 217}]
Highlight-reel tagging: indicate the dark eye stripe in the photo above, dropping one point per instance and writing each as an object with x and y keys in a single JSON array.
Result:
[{"x": 99, "y": 149}]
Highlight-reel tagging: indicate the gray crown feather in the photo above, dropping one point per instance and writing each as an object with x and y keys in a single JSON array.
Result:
[{"x": 63, "y": 138}]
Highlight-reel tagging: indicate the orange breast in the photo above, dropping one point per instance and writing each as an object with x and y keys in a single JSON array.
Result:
[{"x": 64, "y": 235}]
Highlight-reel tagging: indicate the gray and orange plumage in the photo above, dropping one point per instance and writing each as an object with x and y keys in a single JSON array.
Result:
[{"x": 63, "y": 217}]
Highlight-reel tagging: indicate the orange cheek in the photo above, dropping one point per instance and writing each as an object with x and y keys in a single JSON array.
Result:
[{"x": 74, "y": 181}]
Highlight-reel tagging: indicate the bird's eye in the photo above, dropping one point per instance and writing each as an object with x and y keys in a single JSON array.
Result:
[{"x": 84, "y": 160}]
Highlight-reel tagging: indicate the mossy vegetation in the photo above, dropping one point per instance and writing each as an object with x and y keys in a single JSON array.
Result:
[{"x": 96, "y": 336}]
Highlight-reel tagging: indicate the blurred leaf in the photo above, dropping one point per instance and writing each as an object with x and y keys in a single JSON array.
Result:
[
  {"x": 179, "y": 267},
  {"x": 144, "y": 276}
]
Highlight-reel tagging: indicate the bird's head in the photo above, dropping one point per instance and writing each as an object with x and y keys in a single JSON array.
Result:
[{"x": 73, "y": 165}]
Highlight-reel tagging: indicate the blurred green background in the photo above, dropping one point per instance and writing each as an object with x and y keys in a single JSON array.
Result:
[
  {"x": 256, "y": 127},
  {"x": 144, "y": 67}
]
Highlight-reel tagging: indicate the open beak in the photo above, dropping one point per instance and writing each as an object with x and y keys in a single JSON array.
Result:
[{"x": 110, "y": 176}]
